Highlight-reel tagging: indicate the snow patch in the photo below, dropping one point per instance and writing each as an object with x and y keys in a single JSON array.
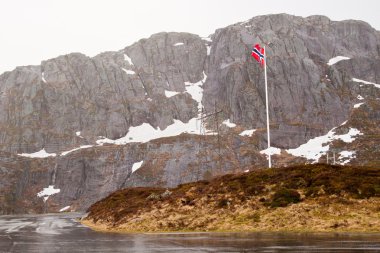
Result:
[
  {"x": 169, "y": 94},
  {"x": 39, "y": 154},
  {"x": 78, "y": 133},
  {"x": 208, "y": 50},
  {"x": 43, "y": 77},
  {"x": 365, "y": 82},
  {"x": 196, "y": 91},
  {"x": 318, "y": 146},
  {"x": 337, "y": 59},
  {"x": 346, "y": 156},
  {"x": 229, "y": 123},
  {"x": 129, "y": 72},
  {"x": 145, "y": 132},
  {"x": 271, "y": 151},
  {"x": 47, "y": 192},
  {"x": 350, "y": 136},
  {"x": 359, "y": 97},
  {"x": 358, "y": 105},
  {"x": 128, "y": 59},
  {"x": 137, "y": 166},
  {"x": 64, "y": 209},
  {"x": 344, "y": 123},
  {"x": 178, "y": 44},
  {"x": 247, "y": 132},
  {"x": 75, "y": 149},
  {"x": 207, "y": 39}
]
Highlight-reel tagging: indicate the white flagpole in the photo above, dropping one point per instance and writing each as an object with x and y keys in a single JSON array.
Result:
[{"x": 266, "y": 102}]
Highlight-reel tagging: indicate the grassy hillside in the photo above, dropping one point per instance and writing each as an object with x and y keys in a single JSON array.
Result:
[{"x": 300, "y": 198}]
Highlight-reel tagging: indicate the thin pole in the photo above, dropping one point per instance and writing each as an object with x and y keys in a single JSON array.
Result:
[
  {"x": 266, "y": 101},
  {"x": 217, "y": 130},
  {"x": 334, "y": 157}
]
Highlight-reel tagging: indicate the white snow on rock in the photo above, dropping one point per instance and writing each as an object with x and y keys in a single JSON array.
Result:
[
  {"x": 271, "y": 151},
  {"x": 169, "y": 94},
  {"x": 208, "y": 50},
  {"x": 39, "y": 154},
  {"x": 228, "y": 123},
  {"x": 129, "y": 72},
  {"x": 43, "y": 77},
  {"x": 75, "y": 149},
  {"x": 358, "y": 105},
  {"x": 145, "y": 132},
  {"x": 207, "y": 39},
  {"x": 78, "y": 133},
  {"x": 365, "y": 82},
  {"x": 318, "y": 146},
  {"x": 178, "y": 44},
  {"x": 64, "y": 209},
  {"x": 247, "y": 132},
  {"x": 359, "y": 97},
  {"x": 350, "y": 136},
  {"x": 346, "y": 156},
  {"x": 137, "y": 166},
  {"x": 128, "y": 59},
  {"x": 47, "y": 192},
  {"x": 196, "y": 91},
  {"x": 337, "y": 59}
]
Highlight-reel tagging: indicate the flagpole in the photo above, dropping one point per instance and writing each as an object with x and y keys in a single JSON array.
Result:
[{"x": 267, "y": 107}]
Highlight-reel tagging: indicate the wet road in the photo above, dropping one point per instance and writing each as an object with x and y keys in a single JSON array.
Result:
[{"x": 62, "y": 233}]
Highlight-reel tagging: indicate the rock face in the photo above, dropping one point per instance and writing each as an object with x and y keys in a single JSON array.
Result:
[
  {"x": 307, "y": 96},
  {"x": 76, "y": 101},
  {"x": 44, "y": 106}
]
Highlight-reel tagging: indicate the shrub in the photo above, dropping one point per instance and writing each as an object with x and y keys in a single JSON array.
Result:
[
  {"x": 367, "y": 191},
  {"x": 283, "y": 197},
  {"x": 223, "y": 203}
]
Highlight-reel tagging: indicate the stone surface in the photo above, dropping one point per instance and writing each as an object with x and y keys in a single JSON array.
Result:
[
  {"x": 307, "y": 97},
  {"x": 45, "y": 106}
]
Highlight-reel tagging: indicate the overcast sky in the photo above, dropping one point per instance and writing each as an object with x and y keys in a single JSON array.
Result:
[{"x": 35, "y": 30}]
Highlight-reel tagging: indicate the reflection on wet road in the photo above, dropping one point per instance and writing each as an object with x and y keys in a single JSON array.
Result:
[{"x": 62, "y": 233}]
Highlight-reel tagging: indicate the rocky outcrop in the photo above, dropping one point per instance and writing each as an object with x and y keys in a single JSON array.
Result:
[
  {"x": 76, "y": 101},
  {"x": 44, "y": 106},
  {"x": 307, "y": 96}
]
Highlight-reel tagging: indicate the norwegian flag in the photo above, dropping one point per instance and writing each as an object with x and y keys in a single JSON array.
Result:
[{"x": 259, "y": 54}]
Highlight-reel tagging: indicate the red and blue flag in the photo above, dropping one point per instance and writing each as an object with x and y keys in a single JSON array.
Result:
[{"x": 259, "y": 54}]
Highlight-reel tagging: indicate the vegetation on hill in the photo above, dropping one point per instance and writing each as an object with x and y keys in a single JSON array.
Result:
[{"x": 300, "y": 198}]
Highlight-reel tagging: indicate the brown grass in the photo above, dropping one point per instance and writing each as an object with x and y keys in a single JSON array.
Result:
[{"x": 258, "y": 199}]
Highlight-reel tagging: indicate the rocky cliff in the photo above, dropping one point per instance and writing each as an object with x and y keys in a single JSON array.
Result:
[{"x": 90, "y": 126}]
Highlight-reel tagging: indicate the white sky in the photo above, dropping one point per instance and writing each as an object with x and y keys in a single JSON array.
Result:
[{"x": 36, "y": 30}]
